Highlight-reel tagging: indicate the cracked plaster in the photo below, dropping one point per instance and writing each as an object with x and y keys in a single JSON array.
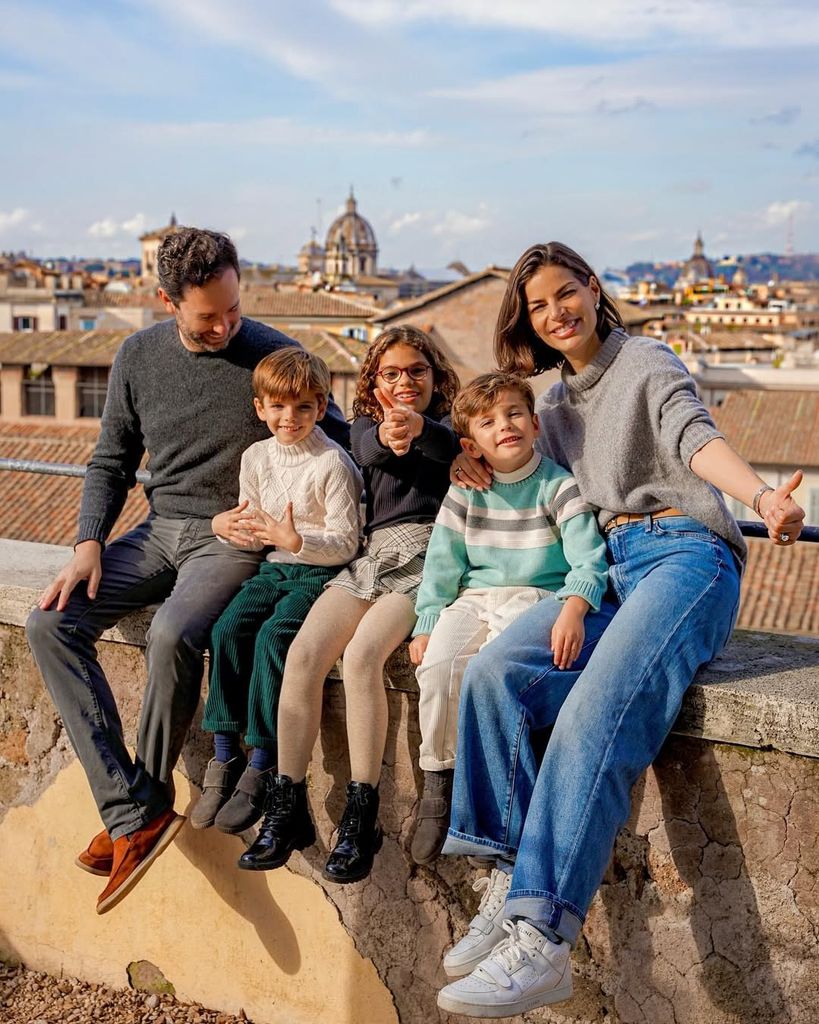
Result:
[{"x": 709, "y": 909}]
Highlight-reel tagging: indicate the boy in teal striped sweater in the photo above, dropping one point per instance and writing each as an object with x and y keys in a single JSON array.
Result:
[{"x": 493, "y": 554}]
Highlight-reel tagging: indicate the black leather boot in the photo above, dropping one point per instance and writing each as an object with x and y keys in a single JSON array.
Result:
[
  {"x": 359, "y": 836},
  {"x": 286, "y": 826}
]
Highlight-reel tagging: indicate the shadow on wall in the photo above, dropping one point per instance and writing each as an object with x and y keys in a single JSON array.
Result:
[{"x": 246, "y": 893}]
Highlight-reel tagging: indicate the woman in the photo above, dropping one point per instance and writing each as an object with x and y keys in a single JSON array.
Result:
[{"x": 627, "y": 422}]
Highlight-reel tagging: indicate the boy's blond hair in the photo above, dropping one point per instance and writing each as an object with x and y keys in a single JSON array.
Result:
[
  {"x": 481, "y": 395},
  {"x": 290, "y": 371}
]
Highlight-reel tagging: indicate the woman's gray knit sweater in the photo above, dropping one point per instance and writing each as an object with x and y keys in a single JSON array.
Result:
[{"x": 627, "y": 426}]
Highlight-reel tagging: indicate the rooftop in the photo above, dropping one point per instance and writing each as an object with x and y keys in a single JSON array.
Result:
[{"x": 772, "y": 427}]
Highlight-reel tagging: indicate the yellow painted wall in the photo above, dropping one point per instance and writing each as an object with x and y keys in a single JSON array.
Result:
[{"x": 269, "y": 942}]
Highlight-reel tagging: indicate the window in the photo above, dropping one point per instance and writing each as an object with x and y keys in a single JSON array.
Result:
[
  {"x": 24, "y": 323},
  {"x": 360, "y": 333},
  {"x": 38, "y": 391},
  {"x": 88, "y": 324},
  {"x": 62, "y": 322},
  {"x": 92, "y": 387}
]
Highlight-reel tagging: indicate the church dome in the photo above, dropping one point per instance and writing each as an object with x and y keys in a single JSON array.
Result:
[
  {"x": 697, "y": 268},
  {"x": 351, "y": 230},
  {"x": 351, "y": 250}
]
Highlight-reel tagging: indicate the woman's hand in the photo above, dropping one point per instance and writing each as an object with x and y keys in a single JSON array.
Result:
[
  {"x": 468, "y": 472},
  {"x": 780, "y": 513}
]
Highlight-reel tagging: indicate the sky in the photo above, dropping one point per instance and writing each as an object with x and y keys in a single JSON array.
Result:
[{"x": 469, "y": 129}]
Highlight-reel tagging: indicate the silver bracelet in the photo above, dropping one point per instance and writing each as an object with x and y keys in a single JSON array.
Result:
[{"x": 758, "y": 496}]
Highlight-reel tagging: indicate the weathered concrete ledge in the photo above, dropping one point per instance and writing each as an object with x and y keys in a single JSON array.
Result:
[
  {"x": 760, "y": 692},
  {"x": 709, "y": 911}
]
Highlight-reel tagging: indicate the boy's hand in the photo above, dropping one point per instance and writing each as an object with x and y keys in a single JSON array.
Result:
[
  {"x": 568, "y": 632},
  {"x": 281, "y": 533},
  {"x": 418, "y": 648},
  {"x": 234, "y": 527},
  {"x": 85, "y": 565}
]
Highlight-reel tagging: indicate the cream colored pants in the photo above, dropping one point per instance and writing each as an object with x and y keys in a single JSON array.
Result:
[{"x": 470, "y": 622}]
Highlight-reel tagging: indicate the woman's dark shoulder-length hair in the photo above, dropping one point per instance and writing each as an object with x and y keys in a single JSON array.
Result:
[{"x": 517, "y": 347}]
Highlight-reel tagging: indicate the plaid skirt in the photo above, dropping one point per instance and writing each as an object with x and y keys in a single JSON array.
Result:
[{"x": 393, "y": 561}]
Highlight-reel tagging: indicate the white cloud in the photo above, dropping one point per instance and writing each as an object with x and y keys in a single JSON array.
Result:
[
  {"x": 279, "y": 132},
  {"x": 404, "y": 221},
  {"x": 110, "y": 228},
  {"x": 610, "y": 23},
  {"x": 237, "y": 233},
  {"x": 105, "y": 228},
  {"x": 135, "y": 225},
  {"x": 457, "y": 223},
  {"x": 781, "y": 211},
  {"x": 13, "y": 219},
  {"x": 637, "y": 86}
]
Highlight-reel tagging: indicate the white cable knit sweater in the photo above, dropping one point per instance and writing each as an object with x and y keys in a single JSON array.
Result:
[{"x": 323, "y": 483}]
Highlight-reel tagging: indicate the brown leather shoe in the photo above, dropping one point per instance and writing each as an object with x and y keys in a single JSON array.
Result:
[
  {"x": 134, "y": 854},
  {"x": 99, "y": 857}
]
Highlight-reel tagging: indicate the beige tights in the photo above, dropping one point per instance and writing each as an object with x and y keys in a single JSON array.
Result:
[{"x": 367, "y": 633}]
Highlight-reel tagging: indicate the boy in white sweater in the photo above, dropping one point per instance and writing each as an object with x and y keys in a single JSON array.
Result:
[
  {"x": 493, "y": 554},
  {"x": 299, "y": 500}
]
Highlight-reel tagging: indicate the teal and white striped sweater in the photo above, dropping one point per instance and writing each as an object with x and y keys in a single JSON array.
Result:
[{"x": 531, "y": 528}]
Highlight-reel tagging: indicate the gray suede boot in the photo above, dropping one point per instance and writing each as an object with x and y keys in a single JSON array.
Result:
[
  {"x": 433, "y": 816},
  {"x": 217, "y": 786}
]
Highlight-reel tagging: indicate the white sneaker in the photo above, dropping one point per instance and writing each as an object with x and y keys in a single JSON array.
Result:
[
  {"x": 485, "y": 930},
  {"x": 524, "y": 971}
]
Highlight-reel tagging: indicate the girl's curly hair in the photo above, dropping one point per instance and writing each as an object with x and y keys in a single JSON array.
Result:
[{"x": 445, "y": 383}]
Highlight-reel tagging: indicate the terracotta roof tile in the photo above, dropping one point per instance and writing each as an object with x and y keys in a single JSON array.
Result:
[
  {"x": 93, "y": 299},
  {"x": 307, "y": 304},
  {"x": 43, "y": 508},
  {"x": 60, "y": 348},
  {"x": 772, "y": 427},
  {"x": 402, "y": 308},
  {"x": 780, "y": 590}
]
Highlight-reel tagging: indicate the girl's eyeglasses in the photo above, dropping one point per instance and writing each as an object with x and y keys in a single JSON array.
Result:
[{"x": 392, "y": 374}]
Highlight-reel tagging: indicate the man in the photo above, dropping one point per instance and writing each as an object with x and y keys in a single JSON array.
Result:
[{"x": 180, "y": 390}]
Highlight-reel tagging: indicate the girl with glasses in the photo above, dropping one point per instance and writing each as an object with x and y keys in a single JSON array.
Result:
[{"x": 402, "y": 439}]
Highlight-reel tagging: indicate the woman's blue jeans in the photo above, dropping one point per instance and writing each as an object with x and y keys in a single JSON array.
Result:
[{"x": 678, "y": 588}]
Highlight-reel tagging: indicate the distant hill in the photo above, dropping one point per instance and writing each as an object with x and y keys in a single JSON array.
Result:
[{"x": 760, "y": 268}]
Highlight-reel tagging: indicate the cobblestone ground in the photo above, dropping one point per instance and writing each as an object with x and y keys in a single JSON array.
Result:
[{"x": 32, "y": 997}]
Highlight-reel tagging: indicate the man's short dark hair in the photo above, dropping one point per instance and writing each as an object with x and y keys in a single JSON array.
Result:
[{"x": 190, "y": 257}]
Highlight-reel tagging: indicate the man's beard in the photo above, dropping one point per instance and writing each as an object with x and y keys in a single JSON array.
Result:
[{"x": 200, "y": 340}]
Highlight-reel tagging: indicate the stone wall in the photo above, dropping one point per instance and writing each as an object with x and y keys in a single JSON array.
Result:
[{"x": 709, "y": 910}]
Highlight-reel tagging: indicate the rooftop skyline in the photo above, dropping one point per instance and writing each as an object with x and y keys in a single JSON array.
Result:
[{"x": 469, "y": 129}]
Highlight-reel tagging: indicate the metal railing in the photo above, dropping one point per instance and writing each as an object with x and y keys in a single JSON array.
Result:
[
  {"x": 749, "y": 529},
  {"x": 57, "y": 468}
]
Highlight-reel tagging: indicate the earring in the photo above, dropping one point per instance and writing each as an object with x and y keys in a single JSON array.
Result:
[{"x": 597, "y": 304}]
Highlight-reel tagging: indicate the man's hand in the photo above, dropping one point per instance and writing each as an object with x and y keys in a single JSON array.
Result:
[
  {"x": 418, "y": 648},
  {"x": 281, "y": 533},
  {"x": 234, "y": 527},
  {"x": 568, "y": 632},
  {"x": 85, "y": 565},
  {"x": 401, "y": 424}
]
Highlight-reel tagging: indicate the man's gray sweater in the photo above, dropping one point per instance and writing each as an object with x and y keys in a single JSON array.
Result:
[
  {"x": 192, "y": 412},
  {"x": 627, "y": 426}
]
